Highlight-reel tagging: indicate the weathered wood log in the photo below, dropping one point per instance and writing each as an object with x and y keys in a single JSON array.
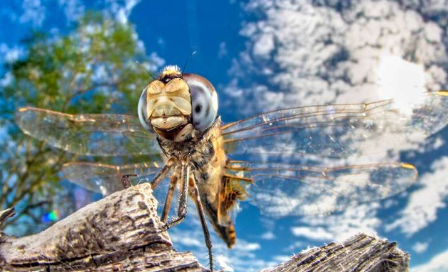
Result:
[
  {"x": 361, "y": 253},
  {"x": 3, "y": 216},
  {"x": 118, "y": 233}
]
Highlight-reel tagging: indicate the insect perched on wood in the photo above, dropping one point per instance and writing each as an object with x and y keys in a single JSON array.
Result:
[{"x": 254, "y": 159}]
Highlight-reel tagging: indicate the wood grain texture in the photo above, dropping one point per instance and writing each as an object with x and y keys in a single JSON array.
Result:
[
  {"x": 118, "y": 233},
  {"x": 360, "y": 253}
]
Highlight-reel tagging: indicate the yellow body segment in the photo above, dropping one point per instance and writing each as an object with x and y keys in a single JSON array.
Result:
[{"x": 221, "y": 191}]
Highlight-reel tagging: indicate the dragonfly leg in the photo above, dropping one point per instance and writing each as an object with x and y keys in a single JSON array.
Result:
[
  {"x": 169, "y": 198},
  {"x": 125, "y": 180},
  {"x": 197, "y": 200},
  {"x": 162, "y": 174},
  {"x": 183, "y": 199}
]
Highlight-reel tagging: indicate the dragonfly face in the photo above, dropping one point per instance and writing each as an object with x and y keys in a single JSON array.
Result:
[
  {"x": 177, "y": 106},
  {"x": 291, "y": 161}
]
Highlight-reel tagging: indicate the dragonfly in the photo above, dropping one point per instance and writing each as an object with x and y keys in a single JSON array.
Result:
[{"x": 293, "y": 161}]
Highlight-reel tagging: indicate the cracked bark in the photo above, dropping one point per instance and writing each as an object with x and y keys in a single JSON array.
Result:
[{"x": 117, "y": 234}]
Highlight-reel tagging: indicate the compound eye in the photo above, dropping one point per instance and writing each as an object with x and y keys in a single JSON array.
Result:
[
  {"x": 142, "y": 111},
  {"x": 204, "y": 101}
]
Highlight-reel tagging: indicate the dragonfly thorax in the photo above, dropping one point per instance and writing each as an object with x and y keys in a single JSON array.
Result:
[{"x": 189, "y": 142}]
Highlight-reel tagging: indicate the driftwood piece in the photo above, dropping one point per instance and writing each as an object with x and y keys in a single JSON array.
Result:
[
  {"x": 3, "y": 216},
  {"x": 361, "y": 253},
  {"x": 117, "y": 233}
]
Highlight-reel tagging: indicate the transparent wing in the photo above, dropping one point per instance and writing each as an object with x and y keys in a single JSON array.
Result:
[
  {"x": 88, "y": 134},
  {"x": 287, "y": 189},
  {"x": 335, "y": 131},
  {"x": 107, "y": 179}
]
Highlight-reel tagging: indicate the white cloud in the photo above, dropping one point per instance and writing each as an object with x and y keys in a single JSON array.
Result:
[
  {"x": 73, "y": 9},
  {"x": 6, "y": 80},
  {"x": 320, "y": 52},
  {"x": 182, "y": 239},
  {"x": 222, "y": 51},
  {"x": 367, "y": 50},
  {"x": 296, "y": 245},
  {"x": 224, "y": 263},
  {"x": 245, "y": 246},
  {"x": 318, "y": 233},
  {"x": 264, "y": 46},
  {"x": 420, "y": 247},
  {"x": 429, "y": 7},
  {"x": 121, "y": 9},
  {"x": 33, "y": 11},
  {"x": 281, "y": 258},
  {"x": 362, "y": 218},
  {"x": 9, "y": 54},
  {"x": 423, "y": 204},
  {"x": 437, "y": 263},
  {"x": 155, "y": 62},
  {"x": 370, "y": 51},
  {"x": 395, "y": 75},
  {"x": 268, "y": 236}
]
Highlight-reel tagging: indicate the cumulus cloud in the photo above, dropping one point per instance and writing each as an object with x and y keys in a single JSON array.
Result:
[
  {"x": 437, "y": 263},
  {"x": 437, "y": 9},
  {"x": 121, "y": 9},
  {"x": 73, "y": 9},
  {"x": 344, "y": 52},
  {"x": 423, "y": 204},
  {"x": 340, "y": 226},
  {"x": 10, "y": 54},
  {"x": 33, "y": 12},
  {"x": 224, "y": 263},
  {"x": 420, "y": 247},
  {"x": 318, "y": 233},
  {"x": 268, "y": 236},
  {"x": 322, "y": 55},
  {"x": 222, "y": 51},
  {"x": 302, "y": 54}
]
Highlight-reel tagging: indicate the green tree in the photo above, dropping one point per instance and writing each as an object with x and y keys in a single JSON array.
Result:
[{"x": 90, "y": 70}]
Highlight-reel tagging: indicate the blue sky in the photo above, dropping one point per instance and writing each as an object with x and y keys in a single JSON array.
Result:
[{"x": 263, "y": 55}]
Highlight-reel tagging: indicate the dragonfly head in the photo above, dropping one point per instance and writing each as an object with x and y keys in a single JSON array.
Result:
[{"x": 178, "y": 103}]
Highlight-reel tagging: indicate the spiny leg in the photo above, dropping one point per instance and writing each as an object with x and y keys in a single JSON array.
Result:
[
  {"x": 183, "y": 199},
  {"x": 182, "y": 209},
  {"x": 169, "y": 198},
  {"x": 197, "y": 200},
  {"x": 162, "y": 174}
]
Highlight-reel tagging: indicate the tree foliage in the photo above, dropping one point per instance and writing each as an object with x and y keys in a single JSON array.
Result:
[{"x": 89, "y": 70}]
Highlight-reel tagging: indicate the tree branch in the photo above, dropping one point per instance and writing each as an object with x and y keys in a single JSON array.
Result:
[{"x": 119, "y": 233}]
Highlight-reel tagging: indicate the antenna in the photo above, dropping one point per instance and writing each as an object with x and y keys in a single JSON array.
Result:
[
  {"x": 144, "y": 68},
  {"x": 185, "y": 65}
]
